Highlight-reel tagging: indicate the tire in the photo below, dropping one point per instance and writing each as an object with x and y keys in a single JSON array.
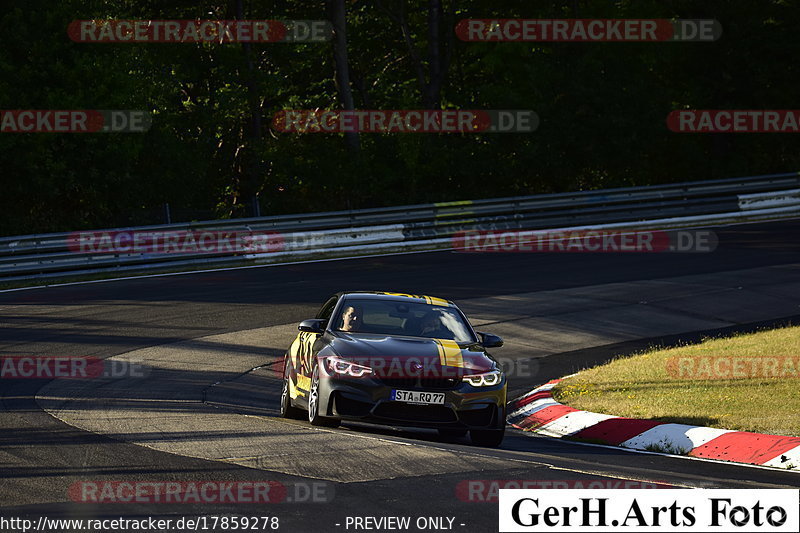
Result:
[
  {"x": 488, "y": 438},
  {"x": 314, "y": 418},
  {"x": 287, "y": 409},
  {"x": 452, "y": 433}
]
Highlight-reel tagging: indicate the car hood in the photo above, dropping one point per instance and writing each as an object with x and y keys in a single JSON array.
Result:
[{"x": 396, "y": 352}]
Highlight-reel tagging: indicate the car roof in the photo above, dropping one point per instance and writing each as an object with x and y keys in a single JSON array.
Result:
[{"x": 418, "y": 298}]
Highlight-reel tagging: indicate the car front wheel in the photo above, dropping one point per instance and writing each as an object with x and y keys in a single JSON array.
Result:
[
  {"x": 313, "y": 405},
  {"x": 287, "y": 409}
]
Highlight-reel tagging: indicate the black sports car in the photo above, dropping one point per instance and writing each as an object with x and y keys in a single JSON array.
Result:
[{"x": 396, "y": 359}]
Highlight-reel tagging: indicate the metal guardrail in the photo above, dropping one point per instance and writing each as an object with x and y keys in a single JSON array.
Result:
[{"x": 426, "y": 226}]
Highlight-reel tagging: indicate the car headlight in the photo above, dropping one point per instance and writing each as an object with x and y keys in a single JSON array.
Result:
[
  {"x": 341, "y": 367},
  {"x": 489, "y": 379}
]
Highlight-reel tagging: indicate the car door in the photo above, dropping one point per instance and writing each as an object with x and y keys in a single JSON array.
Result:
[{"x": 303, "y": 354}]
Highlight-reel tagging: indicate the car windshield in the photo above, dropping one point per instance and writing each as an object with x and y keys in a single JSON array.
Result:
[{"x": 393, "y": 317}]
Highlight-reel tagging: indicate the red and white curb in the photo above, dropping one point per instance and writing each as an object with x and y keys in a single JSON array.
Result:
[{"x": 538, "y": 412}]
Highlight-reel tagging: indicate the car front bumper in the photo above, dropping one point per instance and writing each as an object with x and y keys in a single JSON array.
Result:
[{"x": 369, "y": 399}]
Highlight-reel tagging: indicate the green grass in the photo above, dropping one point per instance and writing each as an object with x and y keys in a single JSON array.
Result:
[{"x": 656, "y": 385}]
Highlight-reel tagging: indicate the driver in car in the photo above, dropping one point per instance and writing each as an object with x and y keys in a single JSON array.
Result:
[
  {"x": 351, "y": 319},
  {"x": 433, "y": 327}
]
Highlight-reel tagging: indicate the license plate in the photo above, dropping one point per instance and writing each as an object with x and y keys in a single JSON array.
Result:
[{"x": 412, "y": 396}]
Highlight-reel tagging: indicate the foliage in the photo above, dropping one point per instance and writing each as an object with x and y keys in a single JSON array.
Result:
[{"x": 602, "y": 106}]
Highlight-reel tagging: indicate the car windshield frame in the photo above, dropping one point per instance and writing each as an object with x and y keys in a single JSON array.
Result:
[{"x": 415, "y": 309}]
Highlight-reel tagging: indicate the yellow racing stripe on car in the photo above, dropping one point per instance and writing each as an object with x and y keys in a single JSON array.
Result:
[
  {"x": 293, "y": 392},
  {"x": 303, "y": 382},
  {"x": 437, "y": 301},
  {"x": 294, "y": 349},
  {"x": 404, "y": 295},
  {"x": 430, "y": 300},
  {"x": 449, "y": 353}
]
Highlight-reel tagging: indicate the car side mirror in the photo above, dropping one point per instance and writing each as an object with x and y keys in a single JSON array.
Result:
[
  {"x": 490, "y": 341},
  {"x": 312, "y": 325}
]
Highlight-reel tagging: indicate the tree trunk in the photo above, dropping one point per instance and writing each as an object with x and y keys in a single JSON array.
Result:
[
  {"x": 337, "y": 15},
  {"x": 433, "y": 88},
  {"x": 250, "y": 160},
  {"x": 439, "y": 49}
]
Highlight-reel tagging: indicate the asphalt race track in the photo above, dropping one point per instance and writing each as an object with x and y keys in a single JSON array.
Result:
[{"x": 202, "y": 415}]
